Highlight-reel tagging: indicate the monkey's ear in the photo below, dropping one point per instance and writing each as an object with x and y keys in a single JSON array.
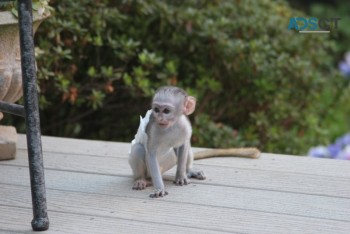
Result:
[{"x": 190, "y": 105}]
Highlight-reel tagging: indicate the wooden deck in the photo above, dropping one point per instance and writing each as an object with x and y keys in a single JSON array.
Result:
[{"x": 89, "y": 191}]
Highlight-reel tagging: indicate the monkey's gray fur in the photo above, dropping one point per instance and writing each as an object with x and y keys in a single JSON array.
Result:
[{"x": 164, "y": 142}]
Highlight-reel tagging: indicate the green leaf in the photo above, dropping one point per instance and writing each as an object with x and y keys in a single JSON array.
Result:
[{"x": 92, "y": 71}]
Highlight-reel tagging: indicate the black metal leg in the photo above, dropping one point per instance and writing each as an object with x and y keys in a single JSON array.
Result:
[{"x": 40, "y": 220}]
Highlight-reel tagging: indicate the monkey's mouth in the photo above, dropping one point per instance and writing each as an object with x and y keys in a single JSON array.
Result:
[{"x": 163, "y": 125}]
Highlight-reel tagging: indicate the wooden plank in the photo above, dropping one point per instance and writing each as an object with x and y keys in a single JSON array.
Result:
[
  {"x": 320, "y": 207},
  {"x": 271, "y": 162},
  {"x": 17, "y": 220},
  {"x": 184, "y": 215},
  {"x": 77, "y": 146},
  {"x": 286, "y": 163},
  {"x": 218, "y": 175}
]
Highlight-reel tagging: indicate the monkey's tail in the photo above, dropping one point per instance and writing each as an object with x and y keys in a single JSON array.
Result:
[{"x": 229, "y": 152}]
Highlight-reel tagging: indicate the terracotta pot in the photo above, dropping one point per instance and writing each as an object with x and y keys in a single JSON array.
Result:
[
  {"x": 10, "y": 58},
  {"x": 10, "y": 74}
]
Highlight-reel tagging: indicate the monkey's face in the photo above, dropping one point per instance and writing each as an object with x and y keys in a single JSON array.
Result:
[{"x": 164, "y": 114}]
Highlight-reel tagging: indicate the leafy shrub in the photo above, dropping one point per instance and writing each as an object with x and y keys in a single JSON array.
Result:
[{"x": 256, "y": 82}]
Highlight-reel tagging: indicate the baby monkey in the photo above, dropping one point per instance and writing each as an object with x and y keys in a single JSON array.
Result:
[{"x": 163, "y": 141}]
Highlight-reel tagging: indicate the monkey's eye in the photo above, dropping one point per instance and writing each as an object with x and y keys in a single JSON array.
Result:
[
  {"x": 166, "y": 111},
  {"x": 156, "y": 109}
]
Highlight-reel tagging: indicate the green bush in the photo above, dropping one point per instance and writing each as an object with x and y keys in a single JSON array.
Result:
[{"x": 257, "y": 83}]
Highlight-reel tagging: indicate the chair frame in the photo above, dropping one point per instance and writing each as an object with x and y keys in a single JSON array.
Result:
[{"x": 30, "y": 111}]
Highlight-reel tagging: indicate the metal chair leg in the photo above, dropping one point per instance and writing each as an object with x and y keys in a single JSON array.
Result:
[{"x": 40, "y": 220}]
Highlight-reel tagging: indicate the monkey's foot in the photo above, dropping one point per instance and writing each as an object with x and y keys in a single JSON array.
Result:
[
  {"x": 182, "y": 181},
  {"x": 141, "y": 184},
  {"x": 199, "y": 175},
  {"x": 158, "y": 193}
]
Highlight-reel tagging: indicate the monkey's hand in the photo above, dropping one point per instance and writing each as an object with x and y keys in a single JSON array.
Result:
[
  {"x": 183, "y": 180},
  {"x": 158, "y": 193}
]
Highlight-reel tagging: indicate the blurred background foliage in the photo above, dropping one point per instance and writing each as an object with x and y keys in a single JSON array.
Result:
[{"x": 257, "y": 84}]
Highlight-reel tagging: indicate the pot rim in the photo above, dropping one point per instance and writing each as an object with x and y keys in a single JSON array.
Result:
[{"x": 7, "y": 18}]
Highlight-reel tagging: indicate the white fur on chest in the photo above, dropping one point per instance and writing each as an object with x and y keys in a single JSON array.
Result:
[{"x": 164, "y": 140}]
